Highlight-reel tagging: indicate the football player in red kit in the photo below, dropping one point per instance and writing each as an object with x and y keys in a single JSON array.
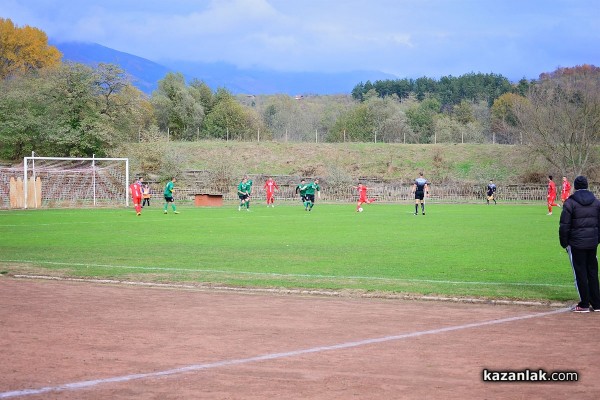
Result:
[
  {"x": 551, "y": 195},
  {"x": 270, "y": 188},
  {"x": 135, "y": 190},
  {"x": 362, "y": 196},
  {"x": 565, "y": 190}
]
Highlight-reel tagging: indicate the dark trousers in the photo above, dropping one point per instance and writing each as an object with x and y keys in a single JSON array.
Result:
[
  {"x": 146, "y": 200},
  {"x": 585, "y": 269}
]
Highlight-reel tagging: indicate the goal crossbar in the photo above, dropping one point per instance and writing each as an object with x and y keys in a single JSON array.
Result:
[{"x": 92, "y": 159}]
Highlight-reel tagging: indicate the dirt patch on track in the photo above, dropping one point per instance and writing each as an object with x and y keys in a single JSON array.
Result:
[{"x": 122, "y": 342}]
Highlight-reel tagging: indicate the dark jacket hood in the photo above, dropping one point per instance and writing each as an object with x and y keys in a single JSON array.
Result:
[{"x": 583, "y": 197}]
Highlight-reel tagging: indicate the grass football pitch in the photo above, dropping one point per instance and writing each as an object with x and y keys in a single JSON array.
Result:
[{"x": 475, "y": 250}]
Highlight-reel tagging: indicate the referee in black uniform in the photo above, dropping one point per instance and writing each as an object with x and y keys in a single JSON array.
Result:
[{"x": 420, "y": 189}]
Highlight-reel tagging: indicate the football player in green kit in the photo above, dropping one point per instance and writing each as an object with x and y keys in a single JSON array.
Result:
[
  {"x": 243, "y": 191},
  {"x": 301, "y": 190},
  {"x": 249, "y": 182},
  {"x": 168, "y": 193},
  {"x": 311, "y": 188}
]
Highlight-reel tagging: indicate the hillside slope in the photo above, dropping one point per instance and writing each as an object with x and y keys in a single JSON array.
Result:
[{"x": 343, "y": 161}]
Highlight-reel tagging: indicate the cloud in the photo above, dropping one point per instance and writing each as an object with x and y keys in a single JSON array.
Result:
[{"x": 404, "y": 37}]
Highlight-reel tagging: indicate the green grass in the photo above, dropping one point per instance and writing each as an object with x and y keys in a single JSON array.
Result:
[{"x": 499, "y": 252}]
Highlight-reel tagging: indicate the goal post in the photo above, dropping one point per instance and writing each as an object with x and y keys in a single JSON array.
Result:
[{"x": 77, "y": 181}]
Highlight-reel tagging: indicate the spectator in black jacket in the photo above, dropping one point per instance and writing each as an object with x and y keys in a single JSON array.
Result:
[{"x": 579, "y": 234}]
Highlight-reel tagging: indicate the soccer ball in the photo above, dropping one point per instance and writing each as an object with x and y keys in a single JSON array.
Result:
[{"x": 360, "y": 209}]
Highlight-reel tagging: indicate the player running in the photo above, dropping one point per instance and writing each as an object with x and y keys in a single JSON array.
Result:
[
  {"x": 135, "y": 191},
  {"x": 565, "y": 191},
  {"x": 491, "y": 192},
  {"x": 362, "y": 196},
  {"x": 270, "y": 187},
  {"x": 420, "y": 189},
  {"x": 311, "y": 188},
  {"x": 243, "y": 191},
  {"x": 301, "y": 190},
  {"x": 168, "y": 193},
  {"x": 551, "y": 195}
]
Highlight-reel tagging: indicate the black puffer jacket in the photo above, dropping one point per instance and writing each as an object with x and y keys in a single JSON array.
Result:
[{"x": 580, "y": 221}]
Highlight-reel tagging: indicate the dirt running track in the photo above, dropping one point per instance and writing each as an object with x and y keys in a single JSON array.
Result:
[{"x": 194, "y": 344}]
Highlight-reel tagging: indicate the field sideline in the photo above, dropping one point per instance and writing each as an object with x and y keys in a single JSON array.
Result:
[{"x": 476, "y": 251}]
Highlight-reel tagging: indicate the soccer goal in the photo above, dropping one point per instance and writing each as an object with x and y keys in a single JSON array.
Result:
[{"x": 55, "y": 182}]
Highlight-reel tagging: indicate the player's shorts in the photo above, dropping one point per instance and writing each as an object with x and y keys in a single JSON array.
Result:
[
  {"x": 310, "y": 197},
  {"x": 564, "y": 198},
  {"x": 363, "y": 199},
  {"x": 243, "y": 197},
  {"x": 169, "y": 199},
  {"x": 419, "y": 195},
  {"x": 303, "y": 197},
  {"x": 136, "y": 200}
]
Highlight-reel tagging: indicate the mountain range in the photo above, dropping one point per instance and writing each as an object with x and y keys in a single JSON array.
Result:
[{"x": 145, "y": 73}]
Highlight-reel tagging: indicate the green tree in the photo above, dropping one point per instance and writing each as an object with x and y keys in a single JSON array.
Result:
[
  {"x": 125, "y": 108},
  {"x": 92, "y": 109},
  {"x": 78, "y": 129},
  {"x": 24, "y": 118},
  {"x": 178, "y": 111},
  {"x": 229, "y": 120},
  {"x": 358, "y": 91},
  {"x": 463, "y": 112},
  {"x": 423, "y": 86},
  {"x": 421, "y": 119},
  {"x": 374, "y": 120},
  {"x": 72, "y": 110},
  {"x": 354, "y": 126},
  {"x": 522, "y": 87},
  {"x": 449, "y": 90},
  {"x": 203, "y": 94}
]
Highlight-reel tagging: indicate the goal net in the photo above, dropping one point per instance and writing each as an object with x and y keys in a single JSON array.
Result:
[{"x": 56, "y": 182}]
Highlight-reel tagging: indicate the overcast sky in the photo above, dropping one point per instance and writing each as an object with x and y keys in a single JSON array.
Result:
[{"x": 407, "y": 38}]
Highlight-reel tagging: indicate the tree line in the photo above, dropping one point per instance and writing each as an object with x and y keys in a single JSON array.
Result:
[
  {"x": 70, "y": 109},
  {"x": 448, "y": 90}
]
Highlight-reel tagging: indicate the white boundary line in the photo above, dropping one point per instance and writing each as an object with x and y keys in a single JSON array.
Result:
[
  {"x": 324, "y": 292},
  {"x": 265, "y": 357},
  {"x": 316, "y": 276}
]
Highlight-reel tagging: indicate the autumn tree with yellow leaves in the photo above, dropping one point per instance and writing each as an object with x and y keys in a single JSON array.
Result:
[{"x": 24, "y": 49}]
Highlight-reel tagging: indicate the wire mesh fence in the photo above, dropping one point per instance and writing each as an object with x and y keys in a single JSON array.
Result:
[{"x": 56, "y": 187}]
